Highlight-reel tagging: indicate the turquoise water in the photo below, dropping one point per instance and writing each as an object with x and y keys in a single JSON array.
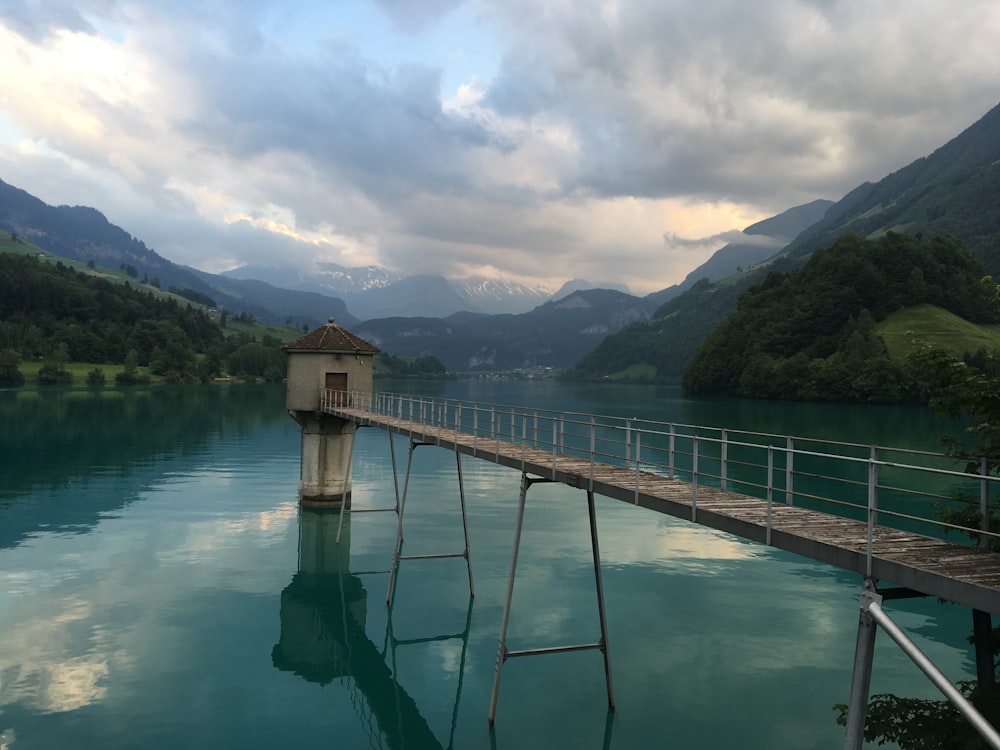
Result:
[{"x": 160, "y": 588}]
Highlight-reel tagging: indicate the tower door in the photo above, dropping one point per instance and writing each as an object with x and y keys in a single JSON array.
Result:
[{"x": 336, "y": 381}]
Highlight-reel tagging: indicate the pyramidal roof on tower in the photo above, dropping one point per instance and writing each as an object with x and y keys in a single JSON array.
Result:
[{"x": 331, "y": 338}]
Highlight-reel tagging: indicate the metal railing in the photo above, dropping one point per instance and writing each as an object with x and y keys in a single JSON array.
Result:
[{"x": 884, "y": 486}]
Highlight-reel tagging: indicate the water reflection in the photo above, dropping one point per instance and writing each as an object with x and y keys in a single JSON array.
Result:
[
  {"x": 109, "y": 446},
  {"x": 324, "y": 638}
]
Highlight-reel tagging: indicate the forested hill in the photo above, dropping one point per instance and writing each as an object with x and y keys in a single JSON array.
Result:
[
  {"x": 50, "y": 311},
  {"x": 955, "y": 190},
  {"x": 811, "y": 334}
]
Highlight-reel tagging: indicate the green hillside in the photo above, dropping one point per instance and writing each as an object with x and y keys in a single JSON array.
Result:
[
  {"x": 811, "y": 334},
  {"x": 905, "y": 329}
]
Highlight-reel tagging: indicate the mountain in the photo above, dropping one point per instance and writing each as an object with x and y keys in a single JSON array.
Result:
[
  {"x": 328, "y": 278},
  {"x": 955, "y": 190},
  {"x": 763, "y": 240},
  {"x": 84, "y": 234},
  {"x": 497, "y": 295},
  {"x": 414, "y": 296},
  {"x": 554, "y": 334},
  {"x": 579, "y": 285},
  {"x": 375, "y": 292}
]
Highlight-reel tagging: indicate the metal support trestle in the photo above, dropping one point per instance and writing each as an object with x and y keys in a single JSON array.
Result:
[
  {"x": 873, "y": 615},
  {"x": 398, "y": 548},
  {"x": 861, "y": 677},
  {"x": 347, "y": 479},
  {"x": 502, "y": 651}
]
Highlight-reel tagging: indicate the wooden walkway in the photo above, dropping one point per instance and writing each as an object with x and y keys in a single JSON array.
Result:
[{"x": 955, "y": 572}]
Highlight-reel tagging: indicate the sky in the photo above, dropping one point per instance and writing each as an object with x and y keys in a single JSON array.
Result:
[{"x": 618, "y": 141}]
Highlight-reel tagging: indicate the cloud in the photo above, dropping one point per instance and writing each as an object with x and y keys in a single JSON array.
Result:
[
  {"x": 412, "y": 17},
  {"x": 601, "y": 128},
  {"x": 36, "y": 20},
  {"x": 730, "y": 237}
]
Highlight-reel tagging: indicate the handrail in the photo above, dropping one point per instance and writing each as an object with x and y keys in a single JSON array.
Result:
[{"x": 849, "y": 477}]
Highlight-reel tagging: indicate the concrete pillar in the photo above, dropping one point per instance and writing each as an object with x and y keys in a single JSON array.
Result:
[{"x": 327, "y": 443}]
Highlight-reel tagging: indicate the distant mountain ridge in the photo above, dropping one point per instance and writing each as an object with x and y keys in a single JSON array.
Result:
[
  {"x": 555, "y": 334},
  {"x": 84, "y": 234},
  {"x": 764, "y": 239},
  {"x": 955, "y": 190},
  {"x": 329, "y": 278},
  {"x": 375, "y": 292}
]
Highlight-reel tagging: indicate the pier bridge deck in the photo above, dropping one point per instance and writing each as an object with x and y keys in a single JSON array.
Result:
[{"x": 617, "y": 458}]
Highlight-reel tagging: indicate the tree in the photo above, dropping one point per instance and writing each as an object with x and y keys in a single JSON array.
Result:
[
  {"x": 918, "y": 724},
  {"x": 10, "y": 375},
  {"x": 130, "y": 374},
  {"x": 96, "y": 377},
  {"x": 53, "y": 372}
]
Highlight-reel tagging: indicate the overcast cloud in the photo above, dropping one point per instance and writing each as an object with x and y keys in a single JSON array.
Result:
[{"x": 540, "y": 139}]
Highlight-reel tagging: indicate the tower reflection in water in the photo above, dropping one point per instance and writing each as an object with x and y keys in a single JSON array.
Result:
[{"x": 323, "y": 638}]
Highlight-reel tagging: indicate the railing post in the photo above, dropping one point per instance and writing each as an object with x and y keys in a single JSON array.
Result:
[
  {"x": 872, "y": 507},
  {"x": 593, "y": 447},
  {"x": 724, "y": 457},
  {"x": 628, "y": 442},
  {"x": 670, "y": 452},
  {"x": 524, "y": 439},
  {"x": 638, "y": 450},
  {"x": 770, "y": 490},
  {"x": 694, "y": 479},
  {"x": 555, "y": 447},
  {"x": 789, "y": 470},
  {"x": 984, "y": 502}
]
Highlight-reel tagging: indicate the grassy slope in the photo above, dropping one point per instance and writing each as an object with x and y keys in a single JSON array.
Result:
[{"x": 902, "y": 330}]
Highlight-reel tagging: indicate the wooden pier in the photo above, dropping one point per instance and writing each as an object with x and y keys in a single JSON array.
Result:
[{"x": 949, "y": 570}]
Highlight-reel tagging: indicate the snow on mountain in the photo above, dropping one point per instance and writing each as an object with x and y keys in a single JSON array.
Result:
[
  {"x": 375, "y": 292},
  {"x": 498, "y": 295}
]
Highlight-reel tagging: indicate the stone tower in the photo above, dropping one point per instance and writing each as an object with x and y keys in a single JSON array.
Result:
[{"x": 327, "y": 359}]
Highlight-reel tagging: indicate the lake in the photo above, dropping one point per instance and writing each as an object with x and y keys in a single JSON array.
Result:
[{"x": 161, "y": 588}]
